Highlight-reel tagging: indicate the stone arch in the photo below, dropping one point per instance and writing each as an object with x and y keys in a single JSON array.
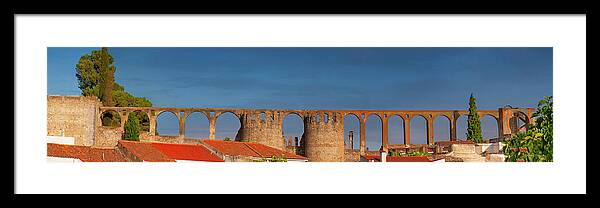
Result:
[
  {"x": 227, "y": 124},
  {"x": 418, "y": 129},
  {"x": 326, "y": 117},
  {"x": 301, "y": 115},
  {"x": 396, "y": 129},
  {"x": 292, "y": 128},
  {"x": 205, "y": 113},
  {"x": 167, "y": 126},
  {"x": 225, "y": 112},
  {"x": 367, "y": 115},
  {"x": 522, "y": 121},
  {"x": 489, "y": 126},
  {"x": 374, "y": 129},
  {"x": 442, "y": 127},
  {"x": 143, "y": 119},
  {"x": 491, "y": 115},
  {"x": 197, "y": 125},
  {"x": 110, "y": 118},
  {"x": 461, "y": 127},
  {"x": 352, "y": 123}
]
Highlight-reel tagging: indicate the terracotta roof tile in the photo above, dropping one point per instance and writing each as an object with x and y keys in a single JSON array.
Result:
[
  {"x": 267, "y": 151},
  {"x": 145, "y": 151},
  {"x": 249, "y": 149},
  {"x": 231, "y": 148},
  {"x": 187, "y": 152},
  {"x": 85, "y": 153}
]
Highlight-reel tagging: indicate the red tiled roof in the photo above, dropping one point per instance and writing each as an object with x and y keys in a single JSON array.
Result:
[
  {"x": 187, "y": 152},
  {"x": 399, "y": 159},
  {"x": 84, "y": 153},
  {"x": 267, "y": 151},
  {"x": 249, "y": 149},
  {"x": 231, "y": 148},
  {"x": 145, "y": 151}
]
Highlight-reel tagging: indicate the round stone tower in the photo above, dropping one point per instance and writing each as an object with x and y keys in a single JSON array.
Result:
[
  {"x": 324, "y": 135},
  {"x": 262, "y": 127}
]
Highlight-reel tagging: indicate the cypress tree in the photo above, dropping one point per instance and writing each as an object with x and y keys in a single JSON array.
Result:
[
  {"x": 132, "y": 128},
  {"x": 474, "y": 124}
]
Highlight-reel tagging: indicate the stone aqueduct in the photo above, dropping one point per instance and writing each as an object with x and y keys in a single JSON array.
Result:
[{"x": 323, "y": 129}]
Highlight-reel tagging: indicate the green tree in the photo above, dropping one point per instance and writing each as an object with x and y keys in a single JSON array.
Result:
[
  {"x": 95, "y": 76},
  {"x": 227, "y": 139},
  {"x": 132, "y": 128},
  {"x": 535, "y": 144},
  {"x": 473, "y": 122}
]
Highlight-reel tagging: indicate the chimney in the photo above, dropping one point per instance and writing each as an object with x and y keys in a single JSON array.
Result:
[
  {"x": 351, "y": 139},
  {"x": 383, "y": 155}
]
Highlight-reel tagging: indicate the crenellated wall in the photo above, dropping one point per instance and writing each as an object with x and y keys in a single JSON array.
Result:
[
  {"x": 264, "y": 129},
  {"x": 324, "y": 137}
]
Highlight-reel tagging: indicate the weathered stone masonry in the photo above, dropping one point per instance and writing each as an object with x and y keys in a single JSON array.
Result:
[
  {"x": 73, "y": 116},
  {"x": 323, "y": 138}
]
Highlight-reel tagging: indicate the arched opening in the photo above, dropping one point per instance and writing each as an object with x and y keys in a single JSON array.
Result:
[
  {"x": 396, "y": 130},
  {"x": 136, "y": 126},
  {"x": 167, "y": 124},
  {"x": 351, "y": 132},
  {"x": 143, "y": 120},
  {"x": 461, "y": 128},
  {"x": 373, "y": 133},
  {"x": 418, "y": 130},
  {"x": 196, "y": 126},
  {"x": 263, "y": 116},
  {"x": 293, "y": 128},
  {"x": 522, "y": 120},
  {"x": 111, "y": 118},
  {"x": 227, "y": 126},
  {"x": 441, "y": 128},
  {"x": 489, "y": 127}
]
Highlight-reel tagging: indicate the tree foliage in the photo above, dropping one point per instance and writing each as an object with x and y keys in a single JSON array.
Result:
[
  {"x": 535, "y": 144},
  {"x": 394, "y": 153},
  {"x": 96, "y": 77},
  {"x": 473, "y": 123},
  {"x": 132, "y": 128}
]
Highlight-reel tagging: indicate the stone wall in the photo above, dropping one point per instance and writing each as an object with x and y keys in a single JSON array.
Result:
[
  {"x": 351, "y": 155},
  {"x": 146, "y": 137},
  {"x": 73, "y": 116},
  {"x": 107, "y": 136},
  {"x": 324, "y": 138},
  {"x": 267, "y": 130}
]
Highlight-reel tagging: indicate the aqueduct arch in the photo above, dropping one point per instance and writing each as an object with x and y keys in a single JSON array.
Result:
[{"x": 324, "y": 129}]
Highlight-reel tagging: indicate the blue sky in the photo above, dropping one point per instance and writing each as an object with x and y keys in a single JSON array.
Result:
[{"x": 322, "y": 78}]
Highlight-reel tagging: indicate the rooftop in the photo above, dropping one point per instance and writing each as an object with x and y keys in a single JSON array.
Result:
[
  {"x": 187, "y": 152},
  {"x": 249, "y": 149},
  {"x": 144, "y": 151},
  {"x": 85, "y": 153}
]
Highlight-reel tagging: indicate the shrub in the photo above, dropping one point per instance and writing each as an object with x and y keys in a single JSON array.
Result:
[{"x": 535, "y": 144}]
